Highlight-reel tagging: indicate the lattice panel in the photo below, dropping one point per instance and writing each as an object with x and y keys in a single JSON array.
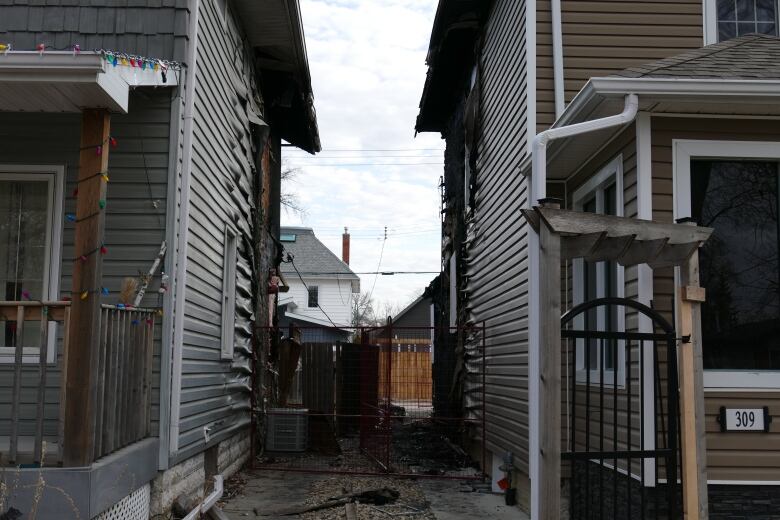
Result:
[{"x": 133, "y": 507}]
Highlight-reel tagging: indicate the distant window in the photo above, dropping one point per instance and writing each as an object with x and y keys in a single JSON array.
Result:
[
  {"x": 314, "y": 296},
  {"x": 230, "y": 259},
  {"x": 287, "y": 237},
  {"x": 739, "y": 17}
]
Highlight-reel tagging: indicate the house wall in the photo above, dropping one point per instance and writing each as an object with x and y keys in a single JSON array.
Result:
[
  {"x": 730, "y": 456},
  {"x": 601, "y": 37},
  {"x": 496, "y": 265},
  {"x": 335, "y": 298},
  {"x": 134, "y": 228},
  {"x": 215, "y": 393},
  {"x": 417, "y": 316}
]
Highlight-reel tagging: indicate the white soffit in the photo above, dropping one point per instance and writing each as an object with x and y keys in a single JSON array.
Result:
[
  {"x": 602, "y": 97},
  {"x": 70, "y": 82}
]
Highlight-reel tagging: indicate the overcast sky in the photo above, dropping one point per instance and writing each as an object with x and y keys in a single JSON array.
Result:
[{"x": 367, "y": 60}]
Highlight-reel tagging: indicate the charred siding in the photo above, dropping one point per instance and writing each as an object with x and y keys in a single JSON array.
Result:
[
  {"x": 215, "y": 392},
  {"x": 496, "y": 264}
]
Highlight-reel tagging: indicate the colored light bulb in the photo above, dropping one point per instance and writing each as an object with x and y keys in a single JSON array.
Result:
[
  {"x": 103, "y": 250},
  {"x": 102, "y": 204},
  {"x": 84, "y": 295},
  {"x": 104, "y": 291},
  {"x": 113, "y": 141},
  {"x": 99, "y": 150},
  {"x": 70, "y": 217}
]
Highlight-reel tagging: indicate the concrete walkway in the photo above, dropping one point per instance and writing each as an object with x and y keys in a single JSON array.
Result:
[
  {"x": 451, "y": 500},
  {"x": 268, "y": 491}
]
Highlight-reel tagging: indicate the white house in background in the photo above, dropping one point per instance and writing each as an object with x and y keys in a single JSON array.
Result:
[{"x": 322, "y": 286}]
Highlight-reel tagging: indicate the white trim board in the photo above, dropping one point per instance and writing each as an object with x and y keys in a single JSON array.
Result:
[
  {"x": 683, "y": 150},
  {"x": 53, "y": 262},
  {"x": 610, "y": 174}
]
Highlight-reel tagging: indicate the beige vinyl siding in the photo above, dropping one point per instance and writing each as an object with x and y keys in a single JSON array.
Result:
[
  {"x": 734, "y": 456},
  {"x": 605, "y": 36},
  {"x": 738, "y": 455},
  {"x": 496, "y": 265},
  {"x": 623, "y": 144}
]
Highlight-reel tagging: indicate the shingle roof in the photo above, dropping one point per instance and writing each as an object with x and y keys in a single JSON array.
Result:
[
  {"x": 755, "y": 56},
  {"x": 311, "y": 256},
  {"x": 154, "y": 28}
]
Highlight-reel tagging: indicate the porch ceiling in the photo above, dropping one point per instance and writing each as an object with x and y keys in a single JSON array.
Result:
[
  {"x": 603, "y": 97},
  {"x": 628, "y": 241},
  {"x": 67, "y": 82}
]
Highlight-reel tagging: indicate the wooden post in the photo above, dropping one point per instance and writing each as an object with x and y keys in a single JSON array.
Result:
[
  {"x": 549, "y": 373},
  {"x": 83, "y": 341},
  {"x": 694, "y": 447}
]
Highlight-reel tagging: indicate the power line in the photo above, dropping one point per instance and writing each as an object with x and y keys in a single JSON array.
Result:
[
  {"x": 368, "y": 164},
  {"x": 380, "y": 150},
  {"x": 383, "y": 273},
  {"x": 376, "y": 276},
  {"x": 318, "y": 157},
  {"x": 290, "y": 259}
]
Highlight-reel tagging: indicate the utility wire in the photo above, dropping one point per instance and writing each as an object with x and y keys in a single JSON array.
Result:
[
  {"x": 383, "y": 273},
  {"x": 369, "y": 164},
  {"x": 376, "y": 276},
  {"x": 290, "y": 260},
  {"x": 382, "y": 150}
]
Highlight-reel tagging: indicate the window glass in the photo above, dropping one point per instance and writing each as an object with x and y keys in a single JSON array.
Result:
[
  {"x": 24, "y": 219},
  {"x": 313, "y": 296},
  {"x": 740, "y": 17},
  {"x": 739, "y": 264}
]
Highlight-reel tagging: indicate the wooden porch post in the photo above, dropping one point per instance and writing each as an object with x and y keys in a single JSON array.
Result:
[
  {"x": 82, "y": 355},
  {"x": 694, "y": 461},
  {"x": 549, "y": 371}
]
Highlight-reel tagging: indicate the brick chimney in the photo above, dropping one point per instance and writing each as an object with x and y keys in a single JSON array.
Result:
[{"x": 345, "y": 246}]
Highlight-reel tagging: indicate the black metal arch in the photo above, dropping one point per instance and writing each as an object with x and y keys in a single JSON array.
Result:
[{"x": 624, "y": 302}]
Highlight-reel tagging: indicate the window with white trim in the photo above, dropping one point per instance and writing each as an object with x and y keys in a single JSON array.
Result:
[
  {"x": 30, "y": 242},
  {"x": 727, "y": 19},
  {"x": 313, "y": 297},
  {"x": 739, "y": 264},
  {"x": 602, "y": 194},
  {"x": 230, "y": 258},
  {"x": 734, "y": 187}
]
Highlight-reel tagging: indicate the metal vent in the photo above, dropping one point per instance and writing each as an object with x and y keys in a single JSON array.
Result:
[
  {"x": 288, "y": 429},
  {"x": 134, "y": 506}
]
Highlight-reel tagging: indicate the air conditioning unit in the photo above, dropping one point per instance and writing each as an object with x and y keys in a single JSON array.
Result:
[{"x": 287, "y": 429}]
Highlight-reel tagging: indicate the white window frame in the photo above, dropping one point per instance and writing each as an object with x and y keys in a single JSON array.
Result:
[
  {"x": 230, "y": 257},
  {"x": 711, "y": 20},
  {"x": 610, "y": 174},
  {"x": 683, "y": 151},
  {"x": 55, "y": 176}
]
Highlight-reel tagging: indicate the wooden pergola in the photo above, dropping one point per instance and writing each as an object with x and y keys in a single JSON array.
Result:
[{"x": 567, "y": 235}]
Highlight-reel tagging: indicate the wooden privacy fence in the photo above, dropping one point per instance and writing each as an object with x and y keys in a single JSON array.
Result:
[
  {"x": 410, "y": 376},
  {"x": 124, "y": 376}
]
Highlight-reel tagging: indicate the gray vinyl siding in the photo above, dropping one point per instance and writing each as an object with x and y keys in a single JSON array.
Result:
[
  {"x": 215, "y": 392},
  {"x": 497, "y": 259},
  {"x": 601, "y": 37},
  {"x": 134, "y": 227}
]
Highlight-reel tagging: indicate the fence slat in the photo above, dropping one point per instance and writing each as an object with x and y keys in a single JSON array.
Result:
[{"x": 63, "y": 382}]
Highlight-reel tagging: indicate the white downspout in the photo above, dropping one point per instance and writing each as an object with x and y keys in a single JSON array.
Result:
[
  {"x": 537, "y": 192},
  {"x": 209, "y": 501},
  {"x": 557, "y": 41},
  {"x": 184, "y": 225}
]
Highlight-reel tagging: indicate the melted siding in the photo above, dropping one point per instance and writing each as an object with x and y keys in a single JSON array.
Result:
[
  {"x": 215, "y": 392},
  {"x": 497, "y": 263}
]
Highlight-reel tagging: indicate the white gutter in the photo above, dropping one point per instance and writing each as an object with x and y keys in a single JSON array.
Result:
[
  {"x": 184, "y": 226},
  {"x": 210, "y": 500},
  {"x": 557, "y": 41},
  {"x": 538, "y": 191}
]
